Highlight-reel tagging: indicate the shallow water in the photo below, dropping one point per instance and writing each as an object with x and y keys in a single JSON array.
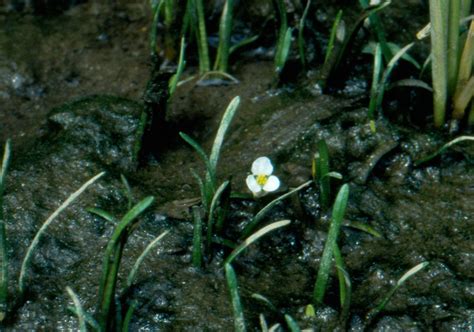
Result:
[{"x": 422, "y": 213}]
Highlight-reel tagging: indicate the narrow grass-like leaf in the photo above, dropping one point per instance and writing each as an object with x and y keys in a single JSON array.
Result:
[
  {"x": 377, "y": 70},
  {"x": 202, "y": 189},
  {"x": 326, "y": 259},
  {"x": 291, "y": 323},
  {"x": 3, "y": 235},
  {"x": 141, "y": 258},
  {"x": 353, "y": 32},
  {"x": 444, "y": 148},
  {"x": 439, "y": 14},
  {"x": 226, "y": 78},
  {"x": 239, "y": 320},
  {"x": 173, "y": 83},
  {"x": 254, "y": 237},
  {"x": 282, "y": 34},
  {"x": 265, "y": 301},
  {"x": 263, "y": 323},
  {"x": 197, "y": 237},
  {"x": 411, "y": 272},
  {"x": 345, "y": 286},
  {"x": 283, "y": 51},
  {"x": 223, "y": 208},
  {"x": 112, "y": 258},
  {"x": 212, "y": 209},
  {"x": 465, "y": 71},
  {"x": 198, "y": 149},
  {"x": 225, "y": 28},
  {"x": 103, "y": 214},
  {"x": 332, "y": 37},
  {"x": 386, "y": 74},
  {"x": 224, "y": 242},
  {"x": 263, "y": 212},
  {"x": 87, "y": 317},
  {"x": 412, "y": 83},
  {"x": 301, "y": 43},
  {"x": 453, "y": 44},
  {"x": 128, "y": 316},
  {"x": 242, "y": 43},
  {"x": 51, "y": 218},
  {"x": 322, "y": 170},
  {"x": 79, "y": 310},
  {"x": 223, "y": 127},
  {"x": 364, "y": 228},
  {"x": 128, "y": 191},
  {"x": 203, "y": 48},
  {"x": 154, "y": 26},
  {"x": 463, "y": 98},
  {"x": 377, "y": 28}
]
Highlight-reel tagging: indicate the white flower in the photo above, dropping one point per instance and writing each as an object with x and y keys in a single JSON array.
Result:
[{"x": 261, "y": 181}]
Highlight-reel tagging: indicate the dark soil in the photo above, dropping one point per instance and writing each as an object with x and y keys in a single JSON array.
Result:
[{"x": 71, "y": 87}]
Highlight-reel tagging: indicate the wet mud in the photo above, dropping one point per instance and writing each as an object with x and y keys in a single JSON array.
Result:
[{"x": 72, "y": 108}]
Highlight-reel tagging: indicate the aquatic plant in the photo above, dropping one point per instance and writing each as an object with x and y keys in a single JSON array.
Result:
[
  {"x": 321, "y": 174},
  {"x": 411, "y": 272},
  {"x": 380, "y": 83},
  {"x": 301, "y": 41},
  {"x": 444, "y": 148},
  {"x": 250, "y": 227},
  {"x": 29, "y": 253},
  {"x": 3, "y": 236},
  {"x": 254, "y": 237},
  {"x": 451, "y": 68},
  {"x": 338, "y": 211},
  {"x": 340, "y": 41},
  {"x": 239, "y": 319},
  {"x": 211, "y": 195},
  {"x": 112, "y": 258},
  {"x": 284, "y": 38},
  {"x": 195, "y": 14},
  {"x": 377, "y": 27},
  {"x": 261, "y": 181}
]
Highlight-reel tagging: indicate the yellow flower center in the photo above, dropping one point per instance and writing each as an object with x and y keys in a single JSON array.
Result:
[{"x": 262, "y": 179}]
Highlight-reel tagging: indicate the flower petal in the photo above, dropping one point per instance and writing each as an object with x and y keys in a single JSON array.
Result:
[
  {"x": 272, "y": 184},
  {"x": 262, "y": 166},
  {"x": 253, "y": 185}
]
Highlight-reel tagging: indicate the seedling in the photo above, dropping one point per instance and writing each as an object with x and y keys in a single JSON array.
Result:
[
  {"x": 411, "y": 272},
  {"x": 301, "y": 42},
  {"x": 340, "y": 41},
  {"x": 239, "y": 319},
  {"x": 113, "y": 255},
  {"x": 444, "y": 148},
  {"x": 214, "y": 199},
  {"x": 331, "y": 242},
  {"x": 284, "y": 38}
]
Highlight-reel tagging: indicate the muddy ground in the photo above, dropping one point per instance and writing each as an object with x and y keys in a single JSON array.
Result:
[{"x": 71, "y": 87}]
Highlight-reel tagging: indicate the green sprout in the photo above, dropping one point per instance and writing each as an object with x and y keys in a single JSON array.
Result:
[
  {"x": 340, "y": 41},
  {"x": 331, "y": 243},
  {"x": 284, "y": 38},
  {"x": 407, "y": 275},
  {"x": 239, "y": 319},
  {"x": 3, "y": 237},
  {"x": 214, "y": 199},
  {"x": 112, "y": 258},
  {"x": 301, "y": 42}
]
